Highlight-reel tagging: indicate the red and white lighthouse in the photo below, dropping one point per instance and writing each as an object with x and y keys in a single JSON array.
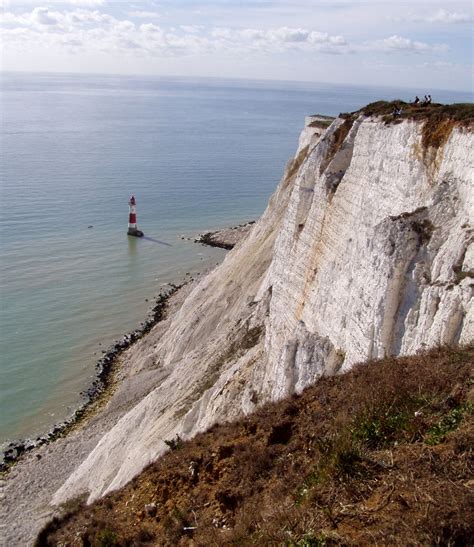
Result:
[{"x": 132, "y": 218}]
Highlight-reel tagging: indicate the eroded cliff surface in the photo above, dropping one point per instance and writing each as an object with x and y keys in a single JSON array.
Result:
[{"x": 365, "y": 250}]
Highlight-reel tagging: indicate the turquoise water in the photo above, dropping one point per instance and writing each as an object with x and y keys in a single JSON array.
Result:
[{"x": 198, "y": 155}]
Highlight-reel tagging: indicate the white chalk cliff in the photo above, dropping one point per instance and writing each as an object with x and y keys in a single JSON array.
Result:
[{"x": 365, "y": 250}]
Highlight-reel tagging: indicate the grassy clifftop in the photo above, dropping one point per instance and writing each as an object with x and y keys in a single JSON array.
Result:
[
  {"x": 462, "y": 113},
  {"x": 438, "y": 119},
  {"x": 382, "y": 455}
]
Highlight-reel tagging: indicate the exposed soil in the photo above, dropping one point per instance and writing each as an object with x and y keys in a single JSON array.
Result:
[{"x": 381, "y": 455}]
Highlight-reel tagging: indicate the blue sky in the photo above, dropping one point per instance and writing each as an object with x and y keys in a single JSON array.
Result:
[{"x": 421, "y": 44}]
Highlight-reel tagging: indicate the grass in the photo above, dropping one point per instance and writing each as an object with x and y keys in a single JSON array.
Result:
[
  {"x": 448, "y": 422},
  {"x": 438, "y": 119},
  {"x": 381, "y": 454},
  {"x": 462, "y": 113},
  {"x": 107, "y": 538},
  {"x": 323, "y": 124}
]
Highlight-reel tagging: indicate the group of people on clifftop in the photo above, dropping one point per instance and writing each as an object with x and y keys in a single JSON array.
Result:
[
  {"x": 423, "y": 102},
  {"x": 398, "y": 111}
]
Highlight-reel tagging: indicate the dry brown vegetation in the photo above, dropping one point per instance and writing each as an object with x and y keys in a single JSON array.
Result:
[
  {"x": 381, "y": 455},
  {"x": 439, "y": 119},
  {"x": 322, "y": 123}
]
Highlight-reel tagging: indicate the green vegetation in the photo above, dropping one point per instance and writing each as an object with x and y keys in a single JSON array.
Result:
[
  {"x": 462, "y": 113},
  {"x": 449, "y": 422},
  {"x": 323, "y": 124},
  {"x": 107, "y": 538},
  {"x": 174, "y": 444}
]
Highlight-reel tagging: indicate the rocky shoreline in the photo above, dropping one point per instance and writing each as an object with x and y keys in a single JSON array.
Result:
[
  {"x": 226, "y": 238},
  {"x": 104, "y": 371}
]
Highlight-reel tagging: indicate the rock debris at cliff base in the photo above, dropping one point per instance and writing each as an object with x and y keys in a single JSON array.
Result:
[{"x": 226, "y": 238}]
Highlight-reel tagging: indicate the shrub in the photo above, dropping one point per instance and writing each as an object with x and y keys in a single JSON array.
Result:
[
  {"x": 174, "y": 444},
  {"x": 437, "y": 433},
  {"x": 107, "y": 538}
]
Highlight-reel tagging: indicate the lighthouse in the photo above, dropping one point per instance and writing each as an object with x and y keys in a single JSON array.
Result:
[{"x": 132, "y": 219}]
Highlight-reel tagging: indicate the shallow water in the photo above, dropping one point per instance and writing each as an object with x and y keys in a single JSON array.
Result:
[{"x": 198, "y": 154}]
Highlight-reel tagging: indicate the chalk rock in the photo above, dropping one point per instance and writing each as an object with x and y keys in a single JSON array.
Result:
[{"x": 365, "y": 250}]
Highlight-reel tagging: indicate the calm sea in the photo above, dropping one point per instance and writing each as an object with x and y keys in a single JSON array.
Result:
[{"x": 198, "y": 154}]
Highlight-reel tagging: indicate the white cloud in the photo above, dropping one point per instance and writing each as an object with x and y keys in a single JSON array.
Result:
[
  {"x": 9, "y": 18},
  {"x": 95, "y": 31},
  {"x": 144, "y": 14},
  {"x": 87, "y": 16},
  {"x": 43, "y": 16},
  {"x": 444, "y": 16},
  {"x": 191, "y": 29},
  {"x": 277, "y": 40},
  {"x": 285, "y": 34},
  {"x": 150, "y": 27},
  {"x": 401, "y": 44},
  {"x": 85, "y": 3},
  {"x": 441, "y": 16}
]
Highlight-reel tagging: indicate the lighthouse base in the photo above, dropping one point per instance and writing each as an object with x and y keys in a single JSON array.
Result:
[{"x": 135, "y": 232}]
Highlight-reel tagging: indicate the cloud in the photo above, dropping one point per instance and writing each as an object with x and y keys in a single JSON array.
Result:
[
  {"x": 286, "y": 34},
  {"x": 150, "y": 27},
  {"x": 277, "y": 40},
  {"x": 43, "y": 16},
  {"x": 191, "y": 29},
  {"x": 441, "y": 16},
  {"x": 144, "y": 14},
  {"x": 85, "y": 3},
  {"x": 95, "y": 31},
  {"x": 399, "y": 43}
]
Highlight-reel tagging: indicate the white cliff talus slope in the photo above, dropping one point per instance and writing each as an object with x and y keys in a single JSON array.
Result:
[{"x": 365, "y": 250}]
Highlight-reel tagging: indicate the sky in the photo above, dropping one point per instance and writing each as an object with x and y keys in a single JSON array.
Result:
[{"x": 418, "y": 44}]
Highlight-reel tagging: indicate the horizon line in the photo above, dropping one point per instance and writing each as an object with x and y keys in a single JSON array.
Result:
[{"x": 229, "y": 78}]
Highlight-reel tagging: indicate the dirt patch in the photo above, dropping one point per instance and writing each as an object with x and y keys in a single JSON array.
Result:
[{"x": 382, "y": 454}]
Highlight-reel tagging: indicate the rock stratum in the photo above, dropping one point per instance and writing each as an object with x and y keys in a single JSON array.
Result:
[{"x": 364, "y": 251}]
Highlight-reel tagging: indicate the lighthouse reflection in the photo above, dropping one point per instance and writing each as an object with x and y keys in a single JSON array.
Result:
[{"x": 132, "y": 246}]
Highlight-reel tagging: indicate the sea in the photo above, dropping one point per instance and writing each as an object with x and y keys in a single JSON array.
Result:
[{"x": 198, "y": 154}]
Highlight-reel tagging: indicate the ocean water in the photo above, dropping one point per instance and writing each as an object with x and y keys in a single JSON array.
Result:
[{"x": 197, "y": 154}]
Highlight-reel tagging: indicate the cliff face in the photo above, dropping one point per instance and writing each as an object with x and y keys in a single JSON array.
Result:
[{"x": 365, "y": 250}]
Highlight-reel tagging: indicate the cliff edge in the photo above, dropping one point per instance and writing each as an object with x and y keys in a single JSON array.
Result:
[{"x": 364, "y": 251}]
